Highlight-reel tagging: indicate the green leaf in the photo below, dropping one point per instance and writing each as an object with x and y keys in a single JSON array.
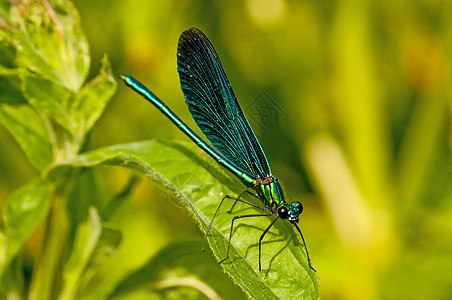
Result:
[
  {"x": 180, "y": 266},
  {"x": 108, "y": 242},
  {"x": 91, "y": 101},
  {"x": 44, "y": 43},
  {"x": 22, "y": 121},
  {"x": 51, "y": 99},
  {"x": 83, "y": 195},
  {"x": 50, "y": 42},
  {"x": 75, "y": 112},
  {"x": 195, "y": 180},
  {"x": 90, "y": 288},
  {"x": 25, "y": 210},
  {"x": 82, "y": 208},
  {"x": 87, "y": 236}
]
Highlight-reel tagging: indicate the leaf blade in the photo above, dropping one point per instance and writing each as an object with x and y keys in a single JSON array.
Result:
[
  {"x": 25, "y": 210},
  {"x": 93, "y": 98},
  {"x": 24, "y": 123},
  {"x": 181, "y": 264},
  {"x": 288, "y": 273}
]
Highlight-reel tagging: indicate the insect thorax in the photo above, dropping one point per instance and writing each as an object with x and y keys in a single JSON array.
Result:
[{"x": 269, "y": 191}]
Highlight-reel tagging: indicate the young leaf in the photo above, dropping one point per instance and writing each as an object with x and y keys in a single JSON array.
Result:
[
  {"x": 75, "y": 112},
  {"x": 285, "y": 273},
  {"x": 44, "y": 44},
  {"x": 92, "y": 99},
  {"x": 50, "y": 42}
]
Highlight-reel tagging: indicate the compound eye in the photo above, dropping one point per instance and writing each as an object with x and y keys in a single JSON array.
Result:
[
  {"x": 299, "y": 206},
  {"x": 283, "y": 213}
]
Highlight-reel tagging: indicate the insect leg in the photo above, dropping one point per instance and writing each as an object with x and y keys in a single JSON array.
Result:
[
  {"x": 240, "y": 196},
  {"x": 262, "y": 236},
  {"x": 232, "y": 226},
  {"x": 215, "y": 214},
  {"x": 305, "y": 247}
]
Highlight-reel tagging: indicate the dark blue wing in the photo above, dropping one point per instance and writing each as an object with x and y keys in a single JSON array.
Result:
[{"x": 213, "y": 104}]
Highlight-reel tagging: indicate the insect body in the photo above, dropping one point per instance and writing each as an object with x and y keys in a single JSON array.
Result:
[{"x": 215, "y": 109}]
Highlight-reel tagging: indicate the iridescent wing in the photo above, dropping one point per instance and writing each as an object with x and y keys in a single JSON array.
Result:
[{"x": 213, "y": 105}]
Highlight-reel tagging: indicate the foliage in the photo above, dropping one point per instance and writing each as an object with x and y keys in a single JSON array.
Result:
[
  {"x": 49, "y": 108},
  {"x": 358, "y": 130}
]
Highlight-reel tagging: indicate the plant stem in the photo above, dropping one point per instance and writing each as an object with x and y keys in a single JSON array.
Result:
[{"x": 44, "y": 275}]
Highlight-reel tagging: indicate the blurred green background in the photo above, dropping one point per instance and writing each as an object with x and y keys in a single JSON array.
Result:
[{"x": 362, "y": 136}]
